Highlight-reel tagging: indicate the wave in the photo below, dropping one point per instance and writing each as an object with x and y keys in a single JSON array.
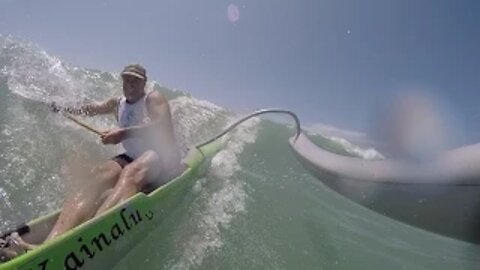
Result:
[{"x": 41, "y": 151}]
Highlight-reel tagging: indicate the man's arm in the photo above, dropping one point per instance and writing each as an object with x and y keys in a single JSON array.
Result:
[{"x": 106, "y": 107}]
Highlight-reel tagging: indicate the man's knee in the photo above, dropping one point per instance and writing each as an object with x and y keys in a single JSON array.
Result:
[
  {"x": 83, "y": 207},
  {"x": 134, "y": 173},
  {"x": 107, "y": 171},
  {"x": 148, "y": 157}
]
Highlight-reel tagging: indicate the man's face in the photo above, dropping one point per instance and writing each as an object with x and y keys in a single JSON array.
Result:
[{"x": 133, "y": 87}]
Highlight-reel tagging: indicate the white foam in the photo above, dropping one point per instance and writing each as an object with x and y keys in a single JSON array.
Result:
[
  {"x": 34, "y": 74},
  {"x": 222, "y": 205},
  {"x": 365, "y": 153},
  {"x": 5, "y": 198},
  {"x": 194, "y": 120},
  {"x": 221, "y": 208}
]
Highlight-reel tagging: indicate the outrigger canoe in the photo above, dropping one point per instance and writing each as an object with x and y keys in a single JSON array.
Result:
[
  {"x": 441, "y": 196},
  {"x": 99, "y": 242}
]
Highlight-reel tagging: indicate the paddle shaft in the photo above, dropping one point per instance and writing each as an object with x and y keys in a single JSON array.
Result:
[{"x": 81, "y": 123}]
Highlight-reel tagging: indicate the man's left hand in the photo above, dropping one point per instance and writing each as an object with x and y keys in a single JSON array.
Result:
[{"x": 113, "y": 136}]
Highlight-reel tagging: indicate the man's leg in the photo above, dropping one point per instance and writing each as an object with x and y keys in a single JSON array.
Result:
[
  {"x": 132, "y": 179},
  {"x": 85, "y": 202}
]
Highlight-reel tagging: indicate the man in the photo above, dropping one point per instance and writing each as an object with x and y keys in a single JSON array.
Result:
[{"x": 151, "y": 155}]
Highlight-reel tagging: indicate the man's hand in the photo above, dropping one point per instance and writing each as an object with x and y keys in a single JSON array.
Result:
[
  {"x": 113, "y": 136},
  {"x": 54, "y": 107}
]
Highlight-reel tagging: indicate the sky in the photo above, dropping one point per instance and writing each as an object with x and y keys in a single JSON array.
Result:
[{"x": 330, "y": 61}]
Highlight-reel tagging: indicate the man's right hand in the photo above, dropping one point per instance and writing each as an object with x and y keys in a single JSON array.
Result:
[
  {"x": 54, "y": 107},
  {"x": 113, "y": 136}
]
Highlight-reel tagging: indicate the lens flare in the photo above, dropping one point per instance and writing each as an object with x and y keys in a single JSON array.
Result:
[
  {"x": 414, "y": 126},
  {"x": 233, "y": 13}
]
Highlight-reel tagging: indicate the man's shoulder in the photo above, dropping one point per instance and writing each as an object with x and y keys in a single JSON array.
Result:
[{"x": 155, "y": 97}]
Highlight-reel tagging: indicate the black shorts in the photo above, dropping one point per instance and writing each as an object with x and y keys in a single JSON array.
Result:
[
  {"x": 151, "y": 183},
  {"x": 123, "y": 160}
]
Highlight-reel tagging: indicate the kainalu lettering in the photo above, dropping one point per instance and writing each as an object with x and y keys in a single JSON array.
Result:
[
  {"x": 85, "y": 249},
  {"x": 136, "y": 219},
  {"x": 116, "y": 231},
  {"x": 72, "y": 257},
  {"x": 149, "y": 215},
  {"x": 89, "y": 249},
  {"x": 43, "y": 265},
  {"x": 124, "y": 219},
  {"x": 96, "y": 240}
]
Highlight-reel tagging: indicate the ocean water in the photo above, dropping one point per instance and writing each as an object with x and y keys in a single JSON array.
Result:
[{"x": 257, "y": 208}]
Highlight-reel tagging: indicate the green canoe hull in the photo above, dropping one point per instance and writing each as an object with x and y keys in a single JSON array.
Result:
[{"x": 102, "y": 241}]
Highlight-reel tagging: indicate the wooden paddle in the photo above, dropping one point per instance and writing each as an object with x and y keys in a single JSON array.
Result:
[
  {"x": 72, "y": 118},
  {"x": 81, "y": 123},
  {"x": 66, "y": 114}
]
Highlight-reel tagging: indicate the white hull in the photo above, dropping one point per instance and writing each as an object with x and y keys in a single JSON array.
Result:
[{"x": 442, "y": 196}]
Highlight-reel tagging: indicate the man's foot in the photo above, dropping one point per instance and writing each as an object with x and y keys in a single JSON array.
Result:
[
  {"x": 18, "y": 241},
  {"x": 5, "y": 253},
  {"x": 13, "y": 246}
]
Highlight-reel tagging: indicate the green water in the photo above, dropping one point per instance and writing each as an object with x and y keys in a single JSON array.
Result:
[
  {"x": 258, "y": 208},
  {"x": 290, "y": 220}
]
